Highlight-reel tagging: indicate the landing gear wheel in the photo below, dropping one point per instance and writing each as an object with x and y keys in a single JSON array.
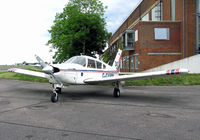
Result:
[
  {"x": 58, "y": 90},
  {"x": 116, "y": 93},
  {"x": 54, "y": 97}
]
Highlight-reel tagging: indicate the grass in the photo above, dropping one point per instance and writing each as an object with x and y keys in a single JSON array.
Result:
[
  {"x": 176, "y": 80},
  {"x": 17, "y": 76}
]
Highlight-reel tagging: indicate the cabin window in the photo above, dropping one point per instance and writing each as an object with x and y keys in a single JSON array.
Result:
[
  {"x": 91, "y": 63},
  {"x": 104, "y": 66},
  {"x": 99, "y": 65}
]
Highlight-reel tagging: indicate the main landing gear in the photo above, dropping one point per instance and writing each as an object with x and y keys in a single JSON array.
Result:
[
  {"x": 54, "y": 95},
  {"x": 116, "y": 92}
]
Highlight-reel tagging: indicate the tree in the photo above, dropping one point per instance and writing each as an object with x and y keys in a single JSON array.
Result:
[{"x": 80, "y": 28}]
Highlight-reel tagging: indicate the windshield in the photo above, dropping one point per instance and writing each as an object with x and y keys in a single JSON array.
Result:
[{"x": 77, "y": 60}]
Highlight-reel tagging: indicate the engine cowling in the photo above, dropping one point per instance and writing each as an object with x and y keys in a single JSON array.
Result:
[{"x": 50, "y": 70}]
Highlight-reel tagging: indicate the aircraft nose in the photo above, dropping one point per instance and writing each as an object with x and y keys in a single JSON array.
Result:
[{"x": 48, "y": 70}]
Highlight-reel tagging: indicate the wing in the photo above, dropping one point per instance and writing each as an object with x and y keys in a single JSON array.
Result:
[
  {"x": 28, "y": 72},
  {"x": 136, "y": 76}
]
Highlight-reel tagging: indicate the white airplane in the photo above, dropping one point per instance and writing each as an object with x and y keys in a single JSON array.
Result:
[{"x": 85, "y": 70}]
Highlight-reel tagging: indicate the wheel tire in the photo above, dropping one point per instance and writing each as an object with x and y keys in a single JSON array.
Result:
[
  {"x": 58, "y": 90},
  {"x": 116, "y": 93},
  {"x": 54, "y": 97}
]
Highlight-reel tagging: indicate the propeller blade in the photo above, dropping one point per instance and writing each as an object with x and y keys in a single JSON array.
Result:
[{"x": 42, "y": 63}]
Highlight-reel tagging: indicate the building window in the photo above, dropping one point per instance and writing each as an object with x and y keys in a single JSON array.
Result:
[
  {"x": 132, "y": 57},
  {"x": 156, "y": 12},
  {"x": 124, "y": 63},
  {"x": 128, "y": 40},
  {"x": 173, "y": 10},
  {"x": 199, "y": 37},
  {"x": 136, "y": 61},
  {"x": 136, "y": 35},
  {"x": 146, "y": 17},
  {"x": 127, "y": 62},
  {"x": 161, "y": 33}
]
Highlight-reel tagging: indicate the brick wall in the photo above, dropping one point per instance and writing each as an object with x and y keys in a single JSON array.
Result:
[
  {"x": 182, "y": 33},
  {"x": 147, "y": 44}
]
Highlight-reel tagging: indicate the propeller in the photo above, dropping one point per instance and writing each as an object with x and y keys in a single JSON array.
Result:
[{"x": 49, "y": 69}]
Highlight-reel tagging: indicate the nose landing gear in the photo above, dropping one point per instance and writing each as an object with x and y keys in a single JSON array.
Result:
[{"x": 56, "y": 91}]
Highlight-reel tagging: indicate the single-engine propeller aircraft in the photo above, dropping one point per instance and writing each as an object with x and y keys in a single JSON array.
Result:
[{"x": 85, "y": 70}]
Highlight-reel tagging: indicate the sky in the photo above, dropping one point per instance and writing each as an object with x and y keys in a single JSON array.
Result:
[{"x": 24, "y": 26}]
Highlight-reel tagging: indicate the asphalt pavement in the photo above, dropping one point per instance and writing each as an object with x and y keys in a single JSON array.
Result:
[{"x": 91, "y": 112}]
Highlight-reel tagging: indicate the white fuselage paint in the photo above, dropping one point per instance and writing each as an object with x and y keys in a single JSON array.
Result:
[{"x": 76, "y": 74}]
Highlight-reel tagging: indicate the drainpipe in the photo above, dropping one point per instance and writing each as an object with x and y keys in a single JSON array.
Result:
[
  {"x": 183, "y": 28},
  {"x": 197, "y": 27}
]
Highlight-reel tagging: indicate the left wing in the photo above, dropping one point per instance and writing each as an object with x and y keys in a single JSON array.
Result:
[
  {"x": 136, "y": 76},
  {"x": 29, "y": 72}
]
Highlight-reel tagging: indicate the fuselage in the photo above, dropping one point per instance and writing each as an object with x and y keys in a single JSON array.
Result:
[{"x": 79, "y": 68}]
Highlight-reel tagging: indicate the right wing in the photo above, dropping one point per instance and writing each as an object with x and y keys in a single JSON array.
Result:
[
  {"x": 28, "y": 72},
  {"x": 135, "y": 76}
]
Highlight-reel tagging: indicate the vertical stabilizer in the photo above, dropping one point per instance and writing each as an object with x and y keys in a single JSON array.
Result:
[{"x": 116, "y": 63}]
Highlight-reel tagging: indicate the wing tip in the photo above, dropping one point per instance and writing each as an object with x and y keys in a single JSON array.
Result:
[
  {"x": 12, "y": 70},
  {"x": 177, "y": 71}
]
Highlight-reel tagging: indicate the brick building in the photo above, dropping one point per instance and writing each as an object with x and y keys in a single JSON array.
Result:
[{"x": 157, "y": 32}]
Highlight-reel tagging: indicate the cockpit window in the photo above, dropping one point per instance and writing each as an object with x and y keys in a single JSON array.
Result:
[
  {"x": 77, "y": 60},
  {"x": 99, "y": 65},
  {"x": 91, "y": 63}
]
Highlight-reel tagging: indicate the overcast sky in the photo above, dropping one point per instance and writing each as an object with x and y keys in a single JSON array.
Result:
[{"x": 24, "y": 26}]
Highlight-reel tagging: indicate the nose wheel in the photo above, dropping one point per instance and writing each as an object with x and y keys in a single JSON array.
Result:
[
  {"x": 56, "y": 91},
  {"x": 54, "y": 97}
]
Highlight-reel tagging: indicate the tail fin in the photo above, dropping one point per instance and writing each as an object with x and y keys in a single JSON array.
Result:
[{"x": 116, "y": 63}]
